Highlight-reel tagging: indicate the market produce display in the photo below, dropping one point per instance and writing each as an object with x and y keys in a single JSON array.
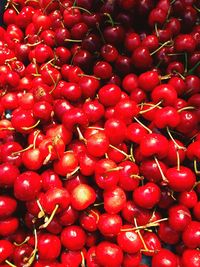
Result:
[{"x": 99, "y": 133}]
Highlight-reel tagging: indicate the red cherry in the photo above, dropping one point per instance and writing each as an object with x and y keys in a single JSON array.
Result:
[
  {"x": 109, "y": 224},
  {"x": 179, "y": 217},
  {"x": 49, "y": 246},
  {"x": 128, "y": 240},
  {"x": 164, "y": 258},
  {"x": 114, "y": 200},
  {"x": 73, "y": 237},
  {"x": 7, "y": 206},
  {"x": 7, "y": 250},
  {"x": 147, "y": 196},
  {"x": 27, "y": 185},
  {"x": 190, "y": 236},
  {"x": 82, "y": 196},
  {"x": 109, "y": 252},
  {"x": 180, "y": 180},
  {"x": 190, "y": 257}
]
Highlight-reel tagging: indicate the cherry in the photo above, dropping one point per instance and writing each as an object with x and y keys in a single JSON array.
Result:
[
  {"x": 141, "y": 58},
  {"x": 196, "y": 211},
  {"x": 68, "y": 216},
  {"x": 8, "y": 226},
  {"x": 109, "y": 52},
  {"x": 154, "y": 144},
  {"x": 165, "y": 93},
  {"x": 114, "y": 200},
  {"x": 49, "y": 246},
  {"x": 188, "y": 199},
  {"x": 50, "y": 180},
  {"x": 67, "y": 164},
  {"x": 8, "y": 174},
  {"x": 108, "y": 252},
  {"x": 152, "y": 243},
  {"x": 180, "y": 180},
  {"x": 89, "y": 219},
  {"x": 164, "y": 258},
  {"x": 27, "y": 185},
  {"x": 129, "y": 240},
  {"x": 8, "y": 206},
  {"x": 126, "y": 109},
  {"x": 147, "y": 196},
  {"x": 115, "y": 130},
  {"x": 150, "y": 170},
  {"x": 132, "y": 41},
  {"x": 179, "y": 217},
  {"x": 73, "y": 237},
  {"x": 109, "y": 95},
  {"x": 21, "y": 253},
  {"x": 132, "y": 259},
  {"x": 148, "y": 80},
  {"x": 97, "y": 144},
  {"x": 166, "y": 117},
  {"x": 33, "y": 159},
  {"x": 190, "y": 257},
  {"x": 190, "y": 235},
  {"x": 7, "y": 250},
  {"x": 94, "y": 110},
  {"x": 82, "y": 196},
  {"x": 109, "y": 224},
  {"x": 71, "y": 258}
]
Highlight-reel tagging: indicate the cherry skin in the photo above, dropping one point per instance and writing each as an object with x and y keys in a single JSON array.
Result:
[
  {"x": 147, "y": 196},
  {"x": 7, "y": 250},
  {"x": 154, "y": 145},
  {"x": 8, "y": 174},
  {"x": 149, "y": 169},
  {"x": 164, "y": 258},
  {"x": 73, "y": 237},
  {"x": 88, "y": 220},
  {"x": 66, "y": 164},
  {"x": 49, "y": 246},
  {"x": 180, "y": 180},
  {"x": 82, "y": 196},
  {"x": 191, "y": 236},
  {"x": 7, "y": 206},
  {"x": 165, "y": 93},
  {"x": 109, "y": 224},
  {"x": 190, "y": 257},
  {"x": 115, "y": 130},
  {"x": 188, "y": 199},
  {"x": 21, "y": 253},
  {"x": 179, "y": 217},
  {"x": 128, "y": 240},
  {"x": 114, "y": 200},
  {"x": 27, "y": 185},
  {"x": 109, "y": 253},
  {"x": 97, "y": 144},
  {"x": 109, "y": 95},
  {"x": 152, "y": 242}
]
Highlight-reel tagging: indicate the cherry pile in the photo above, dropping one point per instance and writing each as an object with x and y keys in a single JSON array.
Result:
[{"x": 99, "y": 133}]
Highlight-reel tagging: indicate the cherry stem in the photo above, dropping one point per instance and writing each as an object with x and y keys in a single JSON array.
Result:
[
  {"x": 160, "y": 170},
  {"x": 196, "y": 8},
  {"x": 22, "y": 150},
  {"x": 31, "y": 259},
  {"x": 194, "y": 68},
  {"x": 151, "y": 224},
  {"x": 31, "y": 127},
  {"x": 186, "y": 108},
  {"x": 100, "y": 32},
  {"x": 144, "y": 126},
  {"x": 35, "y": 138},
  {"x": 48, "y": 220},
  {"x": 110, "y": 20},
  {"x": 10, "y": 264},
  {"x": 70, "y": 175},
  {"x": 140, "y": 236},
  {"x": 48, "y": 62},
  {"x": 41, "y": 213},
  {"x": 195, "y": 167},
  {"x": 186, "y": 62},
  {"x": 38, "y": 42},
  {"x": 131, "y": 153},
  {"x": 164, "y": 44},
  {"x": 82, "y": 259},
  {"x": 35, "y": 63},
  {"x": 165, "y": 77},
  {"x": 152, "y": 107},
  {"x": 7, "y": 129},
  {"x": 96, "y": 214},
  {"x": 156, "y": 29},
  {"x": 44, "y": 10},
  {"x": 178, "y": 160},
  {"x": 98, "y": 204},
  {"x": 81, "y": 8},
  {"x": 23, "y": 242},
  {"x": 73, "y": 40},
  {"x": 80, "y": 135},
  {"x": 174, "y": 141},
  {"x": 121, "y": 151},
  {"x": 87, "y": 75},
  {"x": 136, "y": 176}
]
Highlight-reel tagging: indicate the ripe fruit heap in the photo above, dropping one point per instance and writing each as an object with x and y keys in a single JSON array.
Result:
[{"x": 100, "y": 133}]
